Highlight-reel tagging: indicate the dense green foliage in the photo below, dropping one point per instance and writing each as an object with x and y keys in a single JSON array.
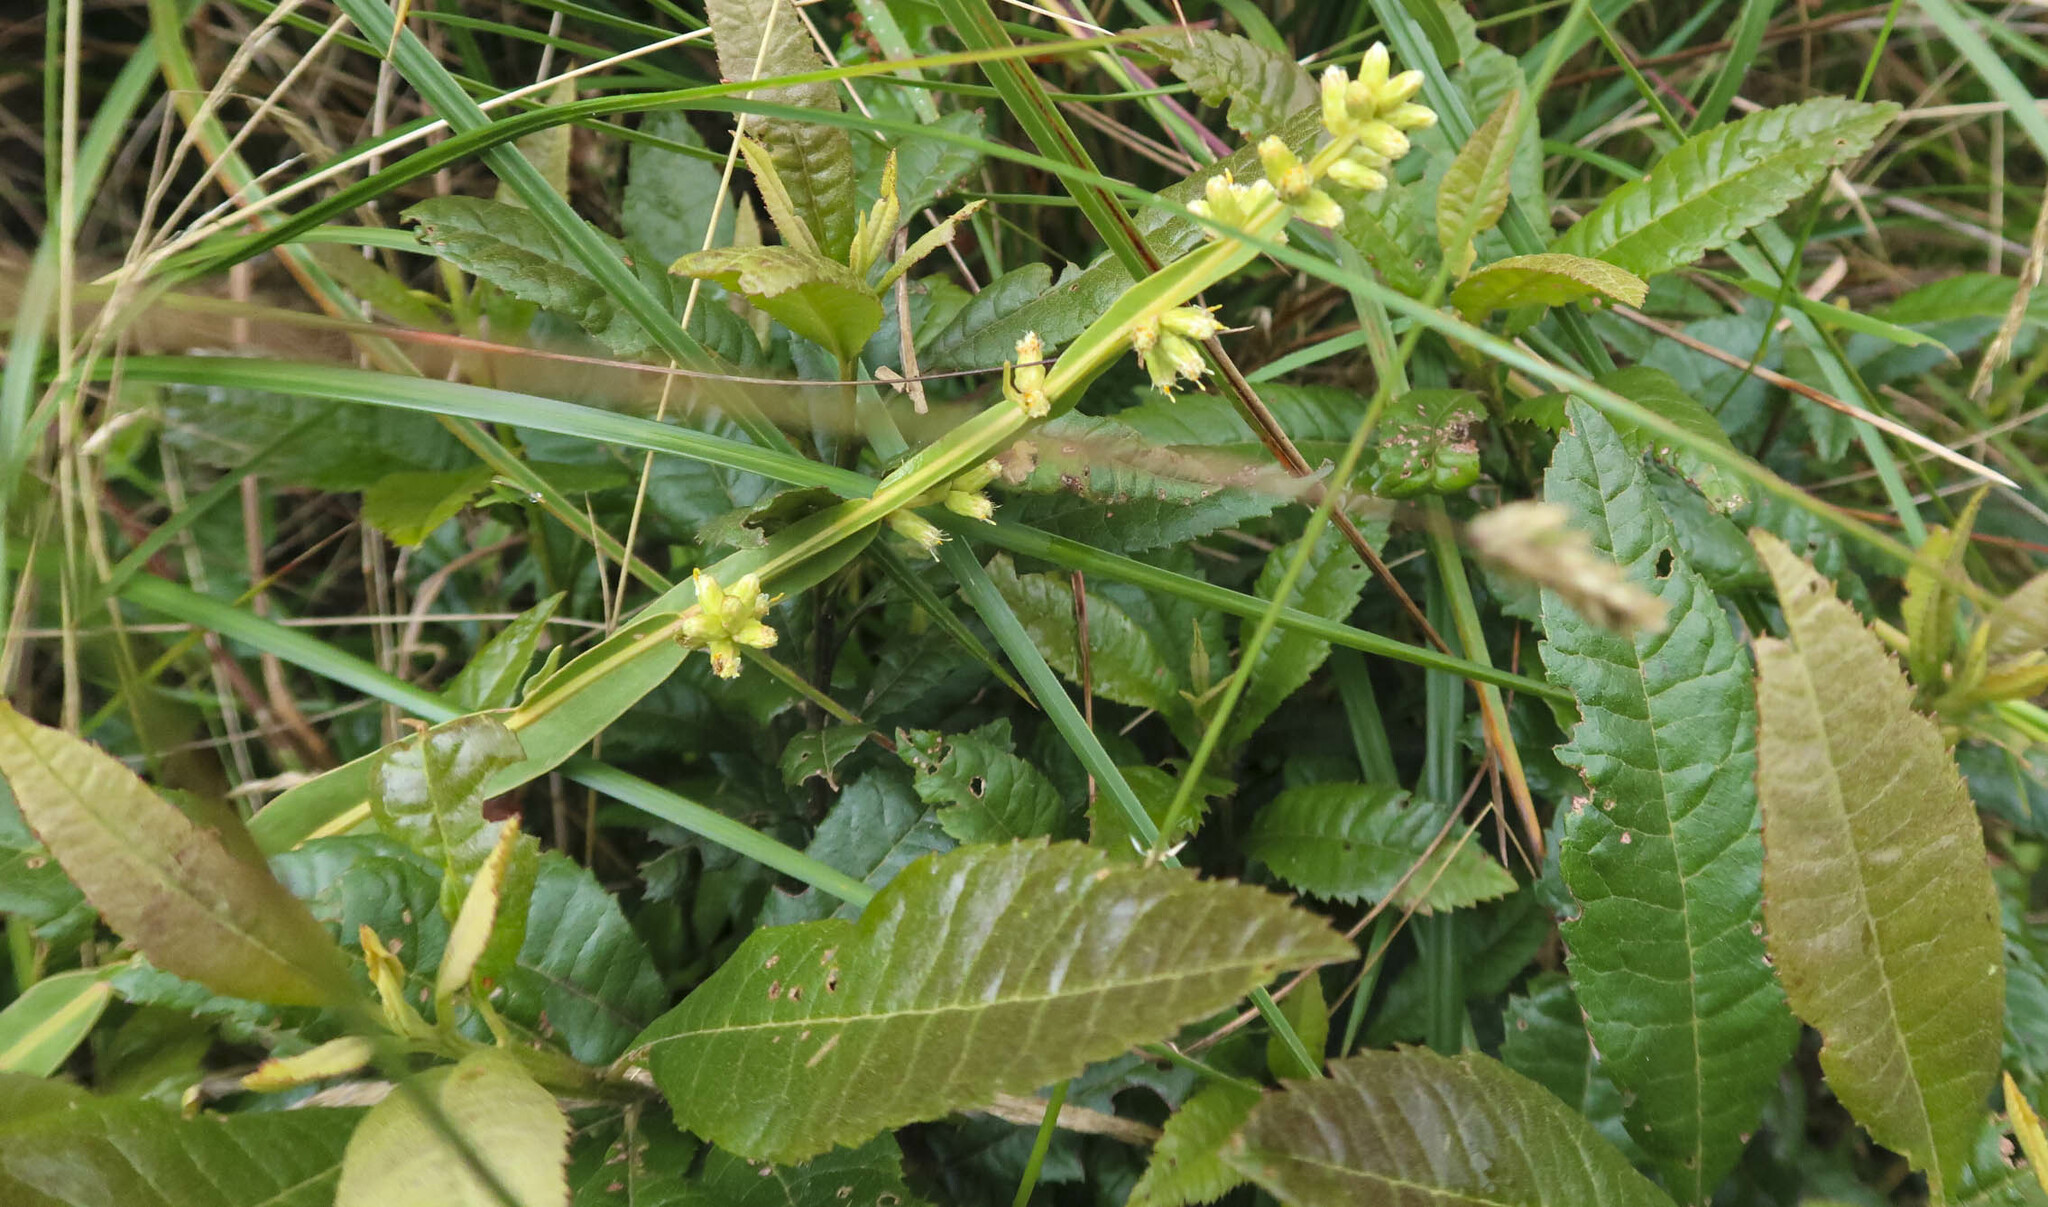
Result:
[{"x": 931, "y": 602}]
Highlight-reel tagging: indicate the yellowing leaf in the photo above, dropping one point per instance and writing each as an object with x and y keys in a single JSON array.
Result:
[
  {"x": 989, "y": 970},
  {"x": 399, "y": 1158},
  {"x": 819, "y": 299},
  {"x": 1879, "y": 906},
  {"x": 1474, "y": 192},
  {"x": 1545, "y": 279},
  {"x": 2026, "y": 1128},
  {"x": 166, "y": 884},
  {"x": 472, "y": 930}
]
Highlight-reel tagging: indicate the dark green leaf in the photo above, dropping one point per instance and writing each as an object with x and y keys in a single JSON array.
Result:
[
  {"x": 1124, "y": 665},
  {"x": 1329, "y": 587},
  {"x": 1655, "y": 390},
  {"x": 492, "y": 676},
  {"x": 815, "y": 753},
  {"x": 845, "y": 1029},
  {"x": 1662, "y": 854},
  {"x": 408, "y": 506},
  {"x": 1353, "y": 842},
  {"x": 873, "y": 831},
  {"x": 583, "y": 976},
  {"x": 1111, "y": 831},
  {"x": 868, "y": 1176},
  {"x": 1546, "y": 1041},
  {"x": 670, "y": 196}
]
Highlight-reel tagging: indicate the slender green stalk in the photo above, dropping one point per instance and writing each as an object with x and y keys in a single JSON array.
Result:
[{"x": 1041, "y": 1144}]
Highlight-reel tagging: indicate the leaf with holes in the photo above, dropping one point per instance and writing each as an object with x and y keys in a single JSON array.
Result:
[
  {"x": 401, "y": 1157},
  {"x": 1711, "y": 189},
  {"x": 1355, "y": 842},
  {"x": 1662, "y": 855},
  {"x": 1187, "y": 1164},
  {"x": 868, "y": 1176},
  {"x": 512, "y": 248},
  {"x": 1474, "y": 191},
  {"x": 1425, "y": 445},
  {"x": 1657, "y": 391},
  {"x": 989, "y": 794},
  {"x": 61, "y": 1147},
  {"x": 1545, "y": 279},
  {"x": 1413, "y": 1126},
  {"x": 815, "y": 753},
  {"x": 1263, "y": 87},
  {"x": 195, "y": 899},
  {"x": 985, "y": 971},
  {"x": 1882, "y": 917},
  {"x": 762, "y": 39},
  {"x": 819, "y": 299}
]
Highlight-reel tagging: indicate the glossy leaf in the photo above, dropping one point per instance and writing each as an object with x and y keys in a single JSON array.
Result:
[
  {"x": 819, "y": 299},
  {"x": 398, "y": 1158},
  {"x": 491, "y": 677},
  {"x": 1545, "y": 279},
  {"x": 1187, "y": 1164},
  {"x": 988, "y": 793},
  {"x": 1264, "y": 87},
  {"x": 512, "y": 248},
  {"x": 427, "y": 791},
  {"x": 175, "y": 889},
  {"x": 82, "y": 1151},
  {"x": 1355, "y": 842},
  {"x": 42, "y": 1027},
  {"x": 1882, "y": 917},
  {"x": 844, "y": 1029},
  {"x": 1711, "y": 189},
  {"x": 1662, "y": 854},
  {"x": 1413, "y": 1126},
  {"x": 762, "y": 39},
  {"x": 1474, "y": 191},
  {"x": 1425, "y": 445}
]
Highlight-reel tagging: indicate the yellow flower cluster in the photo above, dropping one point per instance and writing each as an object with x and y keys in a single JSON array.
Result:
[
  {"x": 1166, "y": 341},
  {"x": 962, "y": 496},
  {"x": 1370, "y": 116},
  {"x": 725, "y": 619}
]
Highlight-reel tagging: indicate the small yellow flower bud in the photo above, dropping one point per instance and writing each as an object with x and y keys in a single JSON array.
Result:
[
  {"x": 1399, "y": 90},
  {"x": 1410, "y": 117},
  {"x": 755, "y": 634},
  {"x": 724, "y": 619},
  {"x": 1373, "y": 67},
  {"x": 917, "y": 530},
  {"x": 1353, "y": 173},
  {"x": 1382, "y": 139},
  {"x": 725, "y": 659},
  {"x": 1025, "y": 384},
  {"x": 1144, "y": 335},
  {"x": 972, "y": 504},
  {"x": 1190, "y": 322}
]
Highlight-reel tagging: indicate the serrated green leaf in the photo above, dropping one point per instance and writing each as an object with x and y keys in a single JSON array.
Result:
[
  {"x": 1124, "y": 664},
  {"x": 868, "y": 1176},
  {"x": 1098, "y": 481},
  {"x": 1329, "y": 588},
  {"x": 195, "y": 899},
  {"x": 1662, "y": 854},
  {"x": 80, "y": 1151},
  {"x": 644, "y": 1163},
  {"x": 547, "y": 149},
  {"x": 1545, "y": 1040},
  {"x": 512, "y": 248},
  {"x": 1882, "y": 918},
  {"x": 1656, "y": 390},
  {"x": 1354, "y": 842},
  {"x": 491, "y": 677},
  {"x": 1425, "y": 444},
  {"x": 1111, "y": 831},
  {"x": 398, "y": 1158},
  {"x": 1711, "y": 189},
  {"x": 669, "y": 196},
  {"x": 841, "y": 1034},
  {"x": 1474, "y": 191},
  {"x": 1415, "y": 1126},
  {"x": 815, "y": 162},
  {"x": 583, "y": 976},
  {"x": 1544, "y": 279},
  {"x": 875, "y": 829},
  {"x": 427, "y": 792},
  {"x": 42, "y": 1027},
  {"x": 989, "y": 794},
  {"x": 1264, "y": 87},
  {"x": 819, "y": 299},
  {"x": 1187, "y": 1164}
]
